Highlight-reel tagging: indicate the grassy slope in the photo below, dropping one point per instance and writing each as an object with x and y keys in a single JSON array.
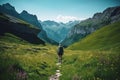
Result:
[
  {"x": 105, "y": 38},
  {"x": 38, "y": 61},
  {"x": 96, "y": 57},
  {"x": 16, "y": 54},
  {"x": 91, "y": 65}
]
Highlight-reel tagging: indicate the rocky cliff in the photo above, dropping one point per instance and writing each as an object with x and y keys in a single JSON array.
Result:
[
  {"x": 79, "y": 31},
  {"x": 30, "y": 18},
  {"x": 24, "y": 30},
  {"x": 9, "y": 9},
  {"x": 24, "y": 15}
]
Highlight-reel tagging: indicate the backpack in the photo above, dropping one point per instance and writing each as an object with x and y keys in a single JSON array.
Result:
[{"x": 60, "y": 51}]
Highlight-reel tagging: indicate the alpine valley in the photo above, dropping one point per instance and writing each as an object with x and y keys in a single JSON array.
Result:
[
  {"x": 58, "y": 30},
  {"x": 28, "y": 46}
]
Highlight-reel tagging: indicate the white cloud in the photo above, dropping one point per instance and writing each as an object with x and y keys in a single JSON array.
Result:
[{"x": 64, "y": 19}]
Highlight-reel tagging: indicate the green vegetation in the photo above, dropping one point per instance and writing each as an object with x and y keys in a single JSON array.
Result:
[
  {"x": 105, "y": 38},
  {"x": 95, "y": 60},
  {"x": 91, "y": 65},
  {"x": 95, "y": 57},
  {"x": 18, "y": 56},
  {"x": 86, "y": 23},
  {"x": 3, "y": 17}
]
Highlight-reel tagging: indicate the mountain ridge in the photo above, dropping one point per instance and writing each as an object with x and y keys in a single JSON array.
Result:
[
  {"x": 24, "y": 15},
  {"x": 23, "y": 30},
  {"x": 106, "y": 38},
  {"x": 9, "y": 9},
  {"x": 81, "y": 30}
]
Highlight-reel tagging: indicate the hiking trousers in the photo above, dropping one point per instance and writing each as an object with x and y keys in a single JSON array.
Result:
[{"x": 60, "y": 58}]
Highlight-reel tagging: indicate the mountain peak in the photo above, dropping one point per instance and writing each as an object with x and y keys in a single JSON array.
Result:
[
  {"x": 8, "y": 6},
  {"x": 24, "y": 11},
  {"x": 50, "y": 23},
  {"x": 88, "y": 26}
]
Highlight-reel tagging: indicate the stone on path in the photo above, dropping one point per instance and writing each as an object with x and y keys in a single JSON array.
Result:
[{"x": 57, "y": 74}]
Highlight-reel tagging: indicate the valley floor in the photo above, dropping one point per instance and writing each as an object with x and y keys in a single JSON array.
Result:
[{"x": 37, "y": 62}]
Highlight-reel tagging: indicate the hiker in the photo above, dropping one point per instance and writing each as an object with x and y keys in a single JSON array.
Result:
[{"x": 60, "y": 53}]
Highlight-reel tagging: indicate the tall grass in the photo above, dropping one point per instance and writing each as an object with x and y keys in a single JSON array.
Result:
[
  {"x": 20, "y": 60},
  {"x": 91, "y": 65}
]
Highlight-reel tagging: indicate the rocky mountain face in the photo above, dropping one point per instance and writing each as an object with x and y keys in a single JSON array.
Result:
[
  {"x": 79, "y": 31},
  {"x": 24, "y": 15},
  {"x": 13, "y": 25},
  {"x": 57, "y": 31},
  {"x": 8, "y": 9},
  {"x": 30, "y": 18}
]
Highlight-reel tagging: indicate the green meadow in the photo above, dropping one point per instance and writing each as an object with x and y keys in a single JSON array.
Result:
[
  {"x": 96, "y": 57},
  {"x": 37, "y": 61}
]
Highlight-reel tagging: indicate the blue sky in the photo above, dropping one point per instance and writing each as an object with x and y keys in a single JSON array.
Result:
[{"x": 62, "y": 10}]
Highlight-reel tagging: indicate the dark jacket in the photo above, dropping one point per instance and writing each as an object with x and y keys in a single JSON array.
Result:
[{"x": 60, "y": 50}]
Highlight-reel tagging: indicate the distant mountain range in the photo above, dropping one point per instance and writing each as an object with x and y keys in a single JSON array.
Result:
[
  {"x": 54, "y": 32},
  {"x": 25, "y": 16},
  {"x": 57, "y": 31},
  {"x": 88, "y": 26}
]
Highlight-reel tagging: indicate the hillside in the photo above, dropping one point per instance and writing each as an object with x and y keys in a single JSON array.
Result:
[
  {"x": 105, "y": 38},
  {"x": 86, "y": 27},
  {"x": 20, "y": 60},
  {"x": 20, "y": 28},
  {"x": 23, "y": 56},
  {"x": 27, "y": 17}
]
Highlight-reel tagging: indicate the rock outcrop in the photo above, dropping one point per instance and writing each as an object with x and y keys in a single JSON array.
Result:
[
  {"x": 13, "y": 25},
  {"x": 79, "y": 31},
  {"x": 25, "y": 16}
]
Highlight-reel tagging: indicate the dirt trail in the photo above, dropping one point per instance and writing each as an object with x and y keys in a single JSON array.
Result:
[{"x": 57, "y": 74}]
